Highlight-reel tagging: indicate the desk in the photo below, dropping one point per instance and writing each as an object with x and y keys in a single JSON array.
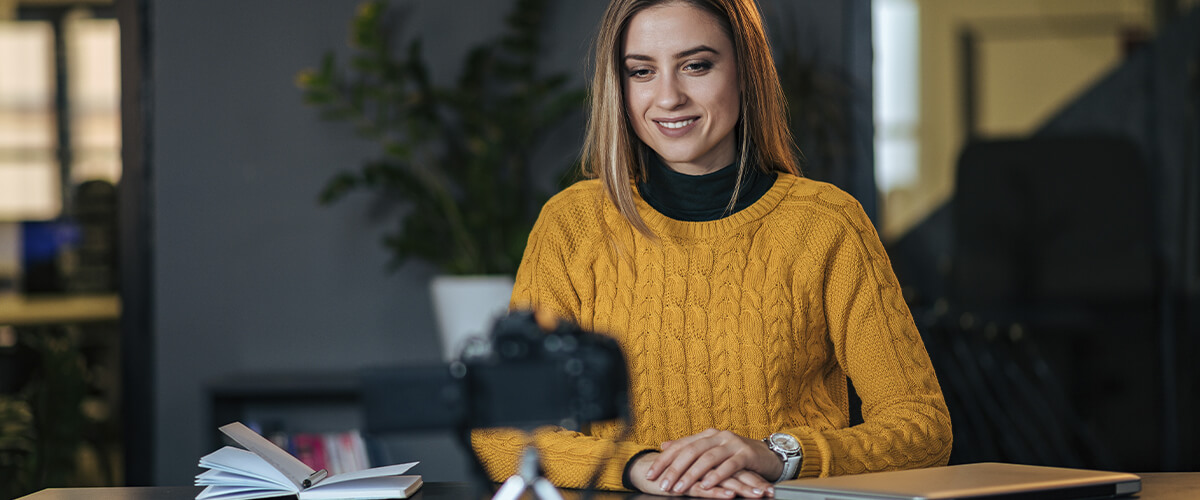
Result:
[{"x": 1155, "y": 486}]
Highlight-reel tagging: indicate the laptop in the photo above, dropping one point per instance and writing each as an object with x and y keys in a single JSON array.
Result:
[{"x": 982, "y": 481}]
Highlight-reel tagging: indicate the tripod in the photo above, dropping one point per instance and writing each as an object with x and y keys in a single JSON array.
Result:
[{"x": 528, "y": 477}]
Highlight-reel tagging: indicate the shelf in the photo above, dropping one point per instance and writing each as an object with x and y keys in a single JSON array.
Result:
[
  {"x": 230, "y": 396},
  {"x": 20, "y": 310}
]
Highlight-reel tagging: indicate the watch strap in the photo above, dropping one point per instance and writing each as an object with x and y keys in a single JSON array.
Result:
[
  {"x": 791, "y": 465},
  {"x": 791, "y": 461}
]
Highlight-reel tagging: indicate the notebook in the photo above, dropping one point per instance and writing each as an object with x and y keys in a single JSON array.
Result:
[{"x": 982, "y": 481}]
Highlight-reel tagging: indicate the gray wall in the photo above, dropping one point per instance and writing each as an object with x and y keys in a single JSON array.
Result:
[{"x": 250, "y": 274}]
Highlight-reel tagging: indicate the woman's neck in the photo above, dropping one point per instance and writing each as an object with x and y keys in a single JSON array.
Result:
[{"x": 701, "y": 197}]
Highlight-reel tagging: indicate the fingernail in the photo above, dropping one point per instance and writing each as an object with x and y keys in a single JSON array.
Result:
[
  {"x": 757, "y": 491},
  {"x": 771, "y": 491},
  {"x": 649, "y": 473},
  {"x": 679, "y": 487},
  {"x": 728, "y": 493},
  {"x": 666, "y": 485}
]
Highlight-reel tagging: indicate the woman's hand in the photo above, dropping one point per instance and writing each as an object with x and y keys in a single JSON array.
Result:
[
  {"x": 710, "y": 458},
  {"x": 744, "y": 483}
]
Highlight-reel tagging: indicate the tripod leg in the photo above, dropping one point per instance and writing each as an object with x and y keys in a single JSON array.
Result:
[
  {"x": 528, "y": 477},
  {"x": 512, "y": 489}
]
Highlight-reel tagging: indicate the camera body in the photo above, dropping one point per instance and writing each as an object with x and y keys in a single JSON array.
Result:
[{"x": 524, "y": 375}]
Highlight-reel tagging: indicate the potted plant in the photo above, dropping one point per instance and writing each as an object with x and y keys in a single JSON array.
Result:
[{"x": 454, "y": 162}]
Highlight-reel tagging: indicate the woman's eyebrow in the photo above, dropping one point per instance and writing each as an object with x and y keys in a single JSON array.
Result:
[
  {"x": 687, "y": 53},
  {"x": 696, "y": 50}
]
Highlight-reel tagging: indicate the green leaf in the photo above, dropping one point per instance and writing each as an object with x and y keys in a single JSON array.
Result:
[
  {"x": 398, "y": 150},
  {"x": 365, "y": 28},
  {"x": 337, "y": 187}
]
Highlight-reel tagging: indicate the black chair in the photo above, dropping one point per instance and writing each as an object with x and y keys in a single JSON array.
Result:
[
  {"x": 1053, "y": 228},
  {"x": 1048, "y": 352}
]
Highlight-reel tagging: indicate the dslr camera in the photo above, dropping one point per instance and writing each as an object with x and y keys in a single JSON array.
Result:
[{"x": 531, "y": 371}]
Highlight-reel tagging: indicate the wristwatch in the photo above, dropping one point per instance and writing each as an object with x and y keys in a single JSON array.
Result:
[{"x": 788, "y": 448}]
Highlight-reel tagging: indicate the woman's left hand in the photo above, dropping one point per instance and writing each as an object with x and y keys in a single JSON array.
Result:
[{"x": 711, "y": 457}]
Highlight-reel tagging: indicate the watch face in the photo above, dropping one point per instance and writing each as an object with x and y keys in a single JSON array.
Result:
[{"x": 785, "y": 442}]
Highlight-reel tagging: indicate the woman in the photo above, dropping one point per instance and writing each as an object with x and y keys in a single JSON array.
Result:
[{"x": 741, "y": 315}]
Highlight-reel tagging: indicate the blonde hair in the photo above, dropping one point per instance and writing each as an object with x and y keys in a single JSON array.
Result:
[{"x": 612, "y": 151}]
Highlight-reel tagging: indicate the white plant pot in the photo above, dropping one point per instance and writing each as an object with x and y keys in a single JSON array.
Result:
[{"x": 466, "y": 306}]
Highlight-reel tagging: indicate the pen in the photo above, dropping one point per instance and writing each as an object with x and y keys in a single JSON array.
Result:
[{"x": 315, "y": 478}]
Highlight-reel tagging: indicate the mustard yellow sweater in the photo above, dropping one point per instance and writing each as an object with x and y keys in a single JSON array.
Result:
[{"x": 750, "y": 323}]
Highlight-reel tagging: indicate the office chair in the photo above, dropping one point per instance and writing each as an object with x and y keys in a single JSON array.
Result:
[{"x": 1048, "y": 349}]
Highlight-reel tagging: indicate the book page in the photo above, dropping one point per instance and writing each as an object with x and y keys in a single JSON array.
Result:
[
  {"x": 238, "y": 462},
  {"x": 236, "y": 493},
  {"x": 387, "y": 470},
  {"x": 225, "y": 478},
  {"x": 290, "y": 466},
  {"x": 365, "y": 488}
]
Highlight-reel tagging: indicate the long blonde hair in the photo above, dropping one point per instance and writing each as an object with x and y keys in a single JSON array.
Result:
[{"x": 612, "y": 151}]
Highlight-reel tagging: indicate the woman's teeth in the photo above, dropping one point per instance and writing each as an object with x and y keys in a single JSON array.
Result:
[{"x": 678, "y": 124}]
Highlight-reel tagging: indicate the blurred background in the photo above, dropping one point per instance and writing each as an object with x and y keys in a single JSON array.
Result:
[{"x": 204, "y": 210}]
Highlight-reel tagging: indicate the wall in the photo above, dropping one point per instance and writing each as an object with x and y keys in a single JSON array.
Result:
[
  {"x": 1035, "y": 56},
  {"x": 249, "y": 273}
]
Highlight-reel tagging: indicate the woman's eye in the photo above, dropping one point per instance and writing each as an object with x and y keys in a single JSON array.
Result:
[
  {"x": 698, "y": 66},
  {"x": 639, "y": 73}
]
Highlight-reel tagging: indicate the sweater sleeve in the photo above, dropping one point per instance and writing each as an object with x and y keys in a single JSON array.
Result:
[
  {"x": 570, "y": 459},
  {"x": 906, "y": 423}
]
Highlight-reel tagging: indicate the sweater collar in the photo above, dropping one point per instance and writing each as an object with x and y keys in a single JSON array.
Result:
[
  {"x": 676, "y": 229},
  {"x": 704, "y": 197}
]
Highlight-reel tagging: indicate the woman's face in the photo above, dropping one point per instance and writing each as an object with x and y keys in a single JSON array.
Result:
[{"x": 681, "y": 87}]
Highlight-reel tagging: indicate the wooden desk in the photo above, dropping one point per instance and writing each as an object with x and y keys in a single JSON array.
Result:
[
  {"x": 1155, "y": 486},
  {"x": 20, "y": 310}
]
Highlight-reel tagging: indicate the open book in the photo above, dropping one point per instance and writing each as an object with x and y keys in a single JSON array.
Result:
[{"x": 265, "y": 471}]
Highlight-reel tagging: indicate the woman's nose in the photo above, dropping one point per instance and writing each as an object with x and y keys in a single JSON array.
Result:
[{"x": 670, "y": 94}]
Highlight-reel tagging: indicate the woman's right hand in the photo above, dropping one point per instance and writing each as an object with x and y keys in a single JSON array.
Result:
[{"x": 737, "y": 485}]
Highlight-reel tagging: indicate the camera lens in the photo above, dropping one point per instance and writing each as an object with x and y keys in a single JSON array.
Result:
[{"x": 574, "y": 367}]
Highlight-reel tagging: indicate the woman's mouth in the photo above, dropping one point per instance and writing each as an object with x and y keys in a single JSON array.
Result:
[
  {"x": 675, "y": 128},
  {"x": 678, "y": 124}
]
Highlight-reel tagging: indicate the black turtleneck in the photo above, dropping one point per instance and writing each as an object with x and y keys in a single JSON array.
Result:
[{"x": 697, "y": 198}]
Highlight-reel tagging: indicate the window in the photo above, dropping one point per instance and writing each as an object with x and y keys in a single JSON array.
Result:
[
  {"x": 897, "y": 93},
  {"x": 36, "y": 88},
  {"x": 28, "y": 170},
  {"x": 95, "y": 96}
]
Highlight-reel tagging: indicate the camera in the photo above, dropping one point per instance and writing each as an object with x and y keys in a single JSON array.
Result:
[{"x": 529, "y": 372}]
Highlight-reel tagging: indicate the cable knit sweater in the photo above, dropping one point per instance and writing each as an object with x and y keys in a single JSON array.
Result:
[{"x": 750, "y": 323}]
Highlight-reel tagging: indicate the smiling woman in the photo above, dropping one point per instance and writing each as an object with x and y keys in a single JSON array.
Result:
[
  {"x": 742, "y": 295},
  {"x": 681, "y": 88}
]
